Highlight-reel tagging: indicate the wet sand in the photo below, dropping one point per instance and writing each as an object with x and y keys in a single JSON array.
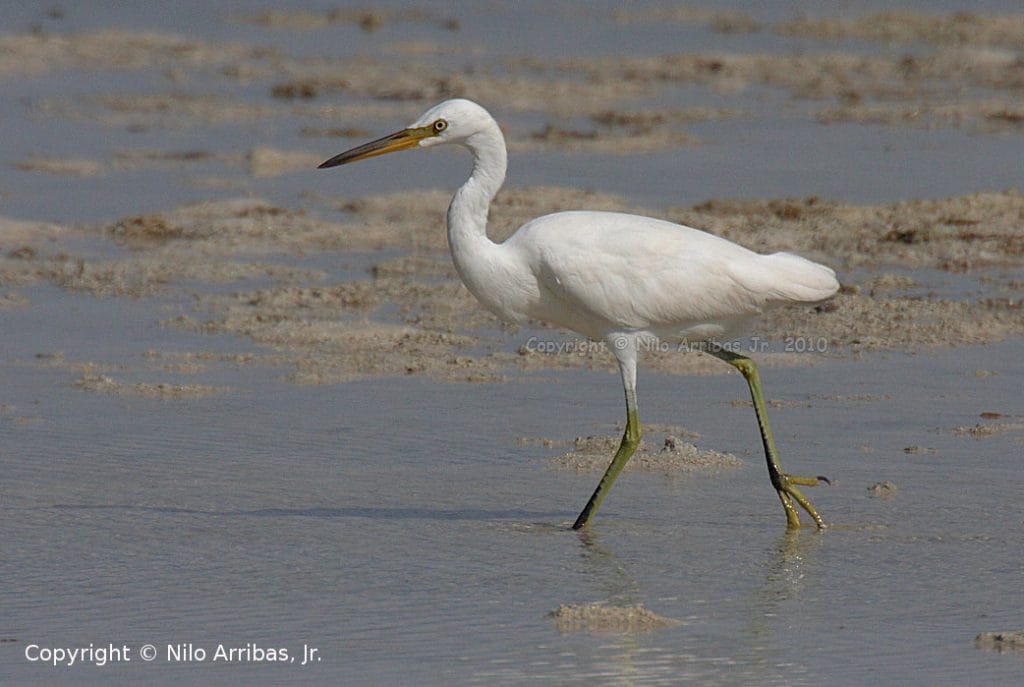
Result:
[
  {"x": 409, "y": 314},
  {"x": 225, "y": 370}
]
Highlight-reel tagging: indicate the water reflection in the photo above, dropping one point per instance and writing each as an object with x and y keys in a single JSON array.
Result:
[
  {"x": 794, "y": 557},
  {"x": 611, "y": 574},
  {"x": 789, "y": 569},
  {"x": 631, "y": 656}
]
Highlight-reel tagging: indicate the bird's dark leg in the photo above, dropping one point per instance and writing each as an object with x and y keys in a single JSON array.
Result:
[
  {"x": 785, "y": 485},
  {"x": 630, "y": 440}
]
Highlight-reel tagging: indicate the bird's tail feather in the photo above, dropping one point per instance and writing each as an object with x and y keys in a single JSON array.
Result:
[
  {"x": 784, "y": 277},
  {"x": 805, "y": 281}
]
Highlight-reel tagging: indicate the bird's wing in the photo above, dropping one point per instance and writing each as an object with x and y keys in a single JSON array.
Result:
[{"x": 638, "y": 273}]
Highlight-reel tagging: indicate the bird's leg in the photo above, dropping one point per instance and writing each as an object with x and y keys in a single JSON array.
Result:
[
  {"x": 785, "y": 484},
  {"x": 630, "y": 440}
]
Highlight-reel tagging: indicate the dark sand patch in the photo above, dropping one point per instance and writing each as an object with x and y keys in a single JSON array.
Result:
[
  {"x": 366, "y": 19},
  {"x": 635, "y": 619},
  {"x": 721, "y": 21}
]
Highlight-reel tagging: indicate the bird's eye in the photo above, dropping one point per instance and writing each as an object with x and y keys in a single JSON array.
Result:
[{"x": 440, "y": 125}]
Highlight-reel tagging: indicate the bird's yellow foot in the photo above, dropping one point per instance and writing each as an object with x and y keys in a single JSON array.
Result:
[{"x": 785, "y": 485}]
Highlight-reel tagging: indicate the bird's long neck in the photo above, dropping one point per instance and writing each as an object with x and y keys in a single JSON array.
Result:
[{"x": 467, "y": 214}]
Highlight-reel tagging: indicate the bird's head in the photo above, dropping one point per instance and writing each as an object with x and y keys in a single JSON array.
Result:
[{"x": 453, "y": 121}]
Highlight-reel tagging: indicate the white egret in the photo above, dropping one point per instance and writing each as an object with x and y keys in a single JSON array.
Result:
[{"x": 622, "y": 279}]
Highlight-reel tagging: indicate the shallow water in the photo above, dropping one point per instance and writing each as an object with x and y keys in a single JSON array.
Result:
[
  {"x": 400, "y": 527},
  {"x": 431, "y": 552}
]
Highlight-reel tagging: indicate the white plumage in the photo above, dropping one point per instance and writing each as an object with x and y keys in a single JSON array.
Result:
[
  {"x": 601, "y": 272},
  {"x": 610, "y": 276}
]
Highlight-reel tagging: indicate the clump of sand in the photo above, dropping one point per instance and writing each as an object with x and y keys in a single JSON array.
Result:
[
  {"x": 883, "y": 490},
  {"x": 106, "y": 385},
  {"x": 675, "y": 456},
  {"x": 980, "y": 431},
  {"x": 33, "y": 53},
  {"x": 634, "y": 619},
  {"x": 1000, "y": 641},
  {"x": 901, "y": 27},
  {"x": 74, "y": 167}
]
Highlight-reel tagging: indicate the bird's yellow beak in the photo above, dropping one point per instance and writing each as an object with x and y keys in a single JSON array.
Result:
[{"x": 400, "y": 140}]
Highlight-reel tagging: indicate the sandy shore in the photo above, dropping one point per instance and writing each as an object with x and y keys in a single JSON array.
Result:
[{"x": 409, "y": 314}]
